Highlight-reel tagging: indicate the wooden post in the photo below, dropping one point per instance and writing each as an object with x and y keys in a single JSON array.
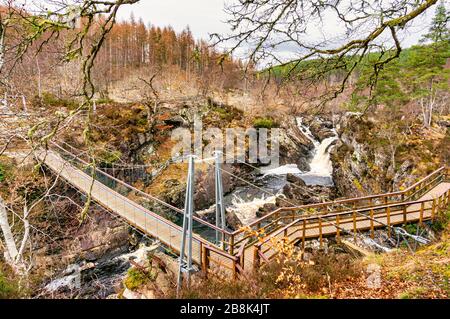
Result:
[
  {"x": 433, "y": 209},
  {"x": 354, "y": 224},
  {"x": 234, "y": 269},
  {"x": 372, "y": 233},
  {"x": 256, "y": 259},
  {"x": 388, "y": 218},
  {"x": 422, "y": 207},
  {"x": 338, "y": 230},
  {"x": 320, "y": 232},
  {"x": 231, "y": 248},
  {"x": 205, "y": 262},
  {"x": 439, "y": 202},
  {"x": 304, "y": 235},
  {"x": 405, "y": 219}
]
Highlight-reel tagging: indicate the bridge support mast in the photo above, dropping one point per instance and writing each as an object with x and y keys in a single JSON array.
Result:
[
  {"x": 185, "y": 261},
  {"x": 220, "y": 208}
]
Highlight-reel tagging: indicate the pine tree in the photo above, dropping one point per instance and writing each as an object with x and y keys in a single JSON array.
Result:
[{"x": 439, "y": 30}]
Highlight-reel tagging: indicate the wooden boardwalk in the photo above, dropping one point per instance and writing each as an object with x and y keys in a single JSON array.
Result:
[
  {"x": 354, "y": 221},
  {"x": 243, "y": 251}
]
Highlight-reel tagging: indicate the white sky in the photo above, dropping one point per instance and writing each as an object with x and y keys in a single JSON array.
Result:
[{"x": 202, "y": 16}]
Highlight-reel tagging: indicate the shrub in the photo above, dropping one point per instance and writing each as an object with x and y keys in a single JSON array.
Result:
[
  {"x": 137, "y": 278},
  {"x": 2, "y": 173},
  {"x": 105, "y": 100},
  {"x": 264, "y": 122},
  {"x": 5, "y": 169},
  {"x": 8, "y": 288},
  {"x": 49, "y": 99}
]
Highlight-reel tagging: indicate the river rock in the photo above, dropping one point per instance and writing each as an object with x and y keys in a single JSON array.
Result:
[
  {"x": 321, "y": 129},
  {"x": 205, "y": 186},
  {"x": 128, "y": 294},
  {"x": 295, "y": 148},
  {"x": 294, "y": 179},
  {"x": 232, "y": 220},
  {"x": 266, "y": 209}
]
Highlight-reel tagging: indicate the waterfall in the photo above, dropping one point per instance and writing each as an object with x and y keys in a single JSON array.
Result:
[
  {"x": 307, "y": 132},
  {"x": 321, "y": 167},
  {"x": 321, "y": 163}
]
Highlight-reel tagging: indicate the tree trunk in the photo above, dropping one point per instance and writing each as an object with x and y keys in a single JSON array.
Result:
[
  {"x": 26, "y": 235},
  {"x": 39, "y": 78},
  {"x": 11, "y": 252},
  {"x": 2, "y": 44}
]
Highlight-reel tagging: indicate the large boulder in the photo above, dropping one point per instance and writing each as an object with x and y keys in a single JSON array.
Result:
[
  {"x": 204, "y": 195},
  {"x": 295, "y": 147},
  {"x": 321, "y": 129}
]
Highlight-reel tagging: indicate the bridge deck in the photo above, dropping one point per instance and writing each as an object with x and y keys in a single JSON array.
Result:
[{"x": 138, "y": 216}]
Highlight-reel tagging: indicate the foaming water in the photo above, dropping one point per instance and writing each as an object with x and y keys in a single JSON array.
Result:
[{"x": 321, "y": 166}]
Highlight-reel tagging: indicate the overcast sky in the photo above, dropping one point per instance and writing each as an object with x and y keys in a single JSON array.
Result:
[
  {"x": 202, "y": 16},
  {"x": 207, "y": 16}
]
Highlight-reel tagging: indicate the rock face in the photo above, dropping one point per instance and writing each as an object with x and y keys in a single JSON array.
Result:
[
  {"x": 163, "y": 269},
  {"x": 295, "y": 148},
  {"x": 362, "y": 163},
  {"x": 204, "y": 195},
  {"x": 299, "y": 194},
  {"x": 100, "y": 236}
]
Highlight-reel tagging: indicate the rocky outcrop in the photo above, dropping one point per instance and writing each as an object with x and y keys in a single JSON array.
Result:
[
  {"x": 362, "y": 159},
  {"x": 299, "y": 194},
  {"x": 159, "y": 270},
  {"x": 204, "y": 195},
  {"x": 295, "y": 148},
  {"x": 321, "y": 128}
]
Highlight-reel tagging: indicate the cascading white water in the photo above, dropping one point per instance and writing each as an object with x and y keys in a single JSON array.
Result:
[
  {"x": 321, "y": 163},
  {"x": 321, "y": 167},
  {"x": 320, "y": 173},
  {"x": 307, "y": 132}
]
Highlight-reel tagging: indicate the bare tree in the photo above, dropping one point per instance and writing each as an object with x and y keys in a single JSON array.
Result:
[
  {"x": 85, "y": 25},
  {"x": 23, "y": 196}
]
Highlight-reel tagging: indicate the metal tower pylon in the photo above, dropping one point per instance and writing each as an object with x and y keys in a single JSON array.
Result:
[
  {"x": 185, "y": 261},
  {"x": 220, "y": 209}
]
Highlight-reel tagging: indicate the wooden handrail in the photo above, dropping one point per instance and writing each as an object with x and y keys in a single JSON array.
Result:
[
  {"x": 331, "y": 215},
  {"x": 342, "y": 201}
]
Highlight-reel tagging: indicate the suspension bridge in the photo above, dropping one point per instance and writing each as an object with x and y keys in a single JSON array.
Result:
[{"x": 253, "y": 245}]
